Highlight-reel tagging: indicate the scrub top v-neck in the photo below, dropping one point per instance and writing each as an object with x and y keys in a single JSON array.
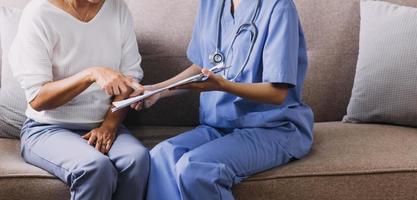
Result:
[{"x": 279, "y": 56}]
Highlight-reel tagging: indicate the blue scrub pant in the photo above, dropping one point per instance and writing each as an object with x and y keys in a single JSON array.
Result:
[
  {"x": 206, "y": 162},
  {"x": 122, "y": 175}
]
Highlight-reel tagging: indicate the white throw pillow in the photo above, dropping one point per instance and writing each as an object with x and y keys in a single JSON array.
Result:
[
  {"x": 385, "y": 86},
  {"x": 12, "y": 99}
]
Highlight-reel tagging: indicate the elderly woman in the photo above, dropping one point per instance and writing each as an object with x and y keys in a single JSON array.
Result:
[{"x": 72, "y": 58}]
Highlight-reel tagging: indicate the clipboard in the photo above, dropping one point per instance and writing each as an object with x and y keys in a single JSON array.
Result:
[{"x": 118, "y": 105}]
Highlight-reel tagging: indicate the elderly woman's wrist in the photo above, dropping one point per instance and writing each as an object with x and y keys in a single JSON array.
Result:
[
  {"x": 110, "y": 127},
  {"x": 89, "y": 75}
]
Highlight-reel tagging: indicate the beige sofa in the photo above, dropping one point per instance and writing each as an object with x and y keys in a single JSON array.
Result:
[{"x": 348, "y": 161}]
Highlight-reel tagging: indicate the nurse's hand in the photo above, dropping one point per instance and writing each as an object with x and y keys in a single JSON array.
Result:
[
  {"x": 101, "y": 138},
  {"x": 112, "y": 82},
  {"x": 213, "y": 83},
  {"x": 146, "y": 103}
]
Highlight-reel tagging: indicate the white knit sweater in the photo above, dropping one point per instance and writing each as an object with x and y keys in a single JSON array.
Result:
[{"x": 52, "y": 45}]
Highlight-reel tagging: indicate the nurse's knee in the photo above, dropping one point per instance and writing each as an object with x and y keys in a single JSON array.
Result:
[
  {"x": 188, "y": 166},
  {"x": 197, "y": 168},
  {"x": 161, "y": 150}
]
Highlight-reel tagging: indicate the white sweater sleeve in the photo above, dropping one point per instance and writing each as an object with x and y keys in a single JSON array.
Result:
[
  {"x": 131, "y": 59},
  {"x": 30, "y": 56}
]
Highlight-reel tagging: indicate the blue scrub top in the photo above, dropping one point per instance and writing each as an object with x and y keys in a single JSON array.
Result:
[{"x": 279, "y": 56}]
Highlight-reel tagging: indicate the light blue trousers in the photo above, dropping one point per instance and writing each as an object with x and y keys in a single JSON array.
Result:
[
  {"x": 122, "y": 175},
  {"x": 205, "y": 163}
]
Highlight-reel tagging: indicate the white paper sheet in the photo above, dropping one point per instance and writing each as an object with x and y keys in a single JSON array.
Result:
[{"x": 200, "y": 77}]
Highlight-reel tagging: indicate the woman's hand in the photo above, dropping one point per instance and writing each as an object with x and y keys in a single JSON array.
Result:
[
  {"x": 148, "y": 102},
  {"x": 112, "y": 82},
  {"x": 101, "y": 138},
  {"x": 213, "y": 83}
]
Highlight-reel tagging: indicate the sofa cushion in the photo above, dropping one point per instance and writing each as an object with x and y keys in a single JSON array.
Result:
[
  {"x": 22, "y": 181},
  {"x": 386, "y": 75},
  {"x": 348, "y": 161},
  {"x": 19, "y": 180}
]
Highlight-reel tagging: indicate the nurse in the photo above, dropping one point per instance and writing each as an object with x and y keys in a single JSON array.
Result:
[{"x": 252, "y": 115}]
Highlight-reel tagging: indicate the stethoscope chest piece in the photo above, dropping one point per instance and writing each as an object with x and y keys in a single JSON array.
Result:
[{"x": 216, "y": 58}]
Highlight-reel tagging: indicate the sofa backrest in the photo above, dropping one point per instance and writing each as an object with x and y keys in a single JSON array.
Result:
[{"x": 164, "y": 29}]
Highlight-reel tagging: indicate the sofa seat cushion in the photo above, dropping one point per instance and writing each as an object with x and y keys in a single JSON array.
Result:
[
  {"x": 348, "y": 161},
  {"x": 22, "y": 181},
  {"x": 12, "y": 165},
  {"x": 341, "y": 149},
  {"x": 19, "y": 180}
]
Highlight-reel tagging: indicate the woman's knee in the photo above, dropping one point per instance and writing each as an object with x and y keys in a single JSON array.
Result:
[
  {"x": 136, "y": 160},
  {"x": 140, "y": 157},
  {"x": 96, "y": 169}
]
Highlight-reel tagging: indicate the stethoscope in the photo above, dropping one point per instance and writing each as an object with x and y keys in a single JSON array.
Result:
[{"x": 218, "y": 57}]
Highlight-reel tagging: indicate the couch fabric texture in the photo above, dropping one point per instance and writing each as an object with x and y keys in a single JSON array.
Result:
[
  {"x": 348, "y": 161},
  {"x": 385, "y": 83}
]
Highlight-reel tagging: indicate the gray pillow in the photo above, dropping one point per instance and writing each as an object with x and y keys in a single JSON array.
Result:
[
  {"x": 12, "y": 98},
  {"x": 385, "y": 86}
]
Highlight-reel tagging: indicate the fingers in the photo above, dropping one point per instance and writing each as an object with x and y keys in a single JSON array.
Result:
[
  {"x": 137, "y": 92},
  {"x": 87, "y": 136},
  {"x": 137, "y": 106},
  {"x": 108, "y": 90},
  {"x": 206, "y": 72},
  {"x": 123, "y": 89},
  {"x": 115, "y": 89},
  {"x": 92, "y": 139},
  {"x": 101, "y": 141},
  {"x": 143, "y": 104},
  {"x": 103, "y": 147},
  {"x": 113, "y": 82},
  {"x": 133, "y": 84},
  {"x": 138, "y": 88},
  {"x": 149, "y": 102},
  {"x": 125, "y": 86},
  {"x": 101, "y": 144},
  {"x": 119, "y": 84},
  {"x": 109, "y": 145},
  {"x": 98, "y": 145}
]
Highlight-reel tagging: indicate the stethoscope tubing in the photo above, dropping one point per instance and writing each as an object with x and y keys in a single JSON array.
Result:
[
  {"x": 254, "y": 36},
  {"x": 242, "y": 28}
]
